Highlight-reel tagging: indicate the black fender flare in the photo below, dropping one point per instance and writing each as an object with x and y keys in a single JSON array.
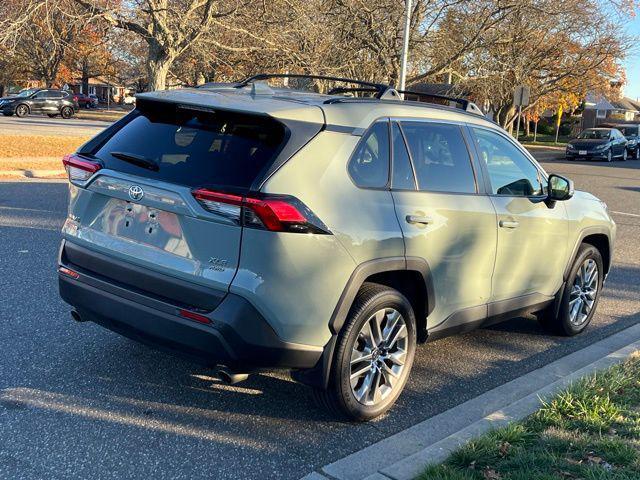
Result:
[
  {"x": 365, "y": 270},
  {"x": 319, "y": 376},
  {"x": 593, "y": 230}
]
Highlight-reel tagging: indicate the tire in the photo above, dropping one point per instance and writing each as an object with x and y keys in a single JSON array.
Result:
[
  {"x": 637, "y": 155},
  {"x": 353, "y": 400},
  {"x": 66, "y": 113},
  {"x": 565, "y": 323},
  {"x": 624, "y": 155},
  {"x": 22, "y": 110}
]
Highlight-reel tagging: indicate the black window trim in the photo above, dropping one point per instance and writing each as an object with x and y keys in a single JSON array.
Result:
[
  {"x": 520, "y": 148},
  {"x": 470, "y": 152},
  {"x": 387, "y": 186},
  {"x": 406, "y": 147}
]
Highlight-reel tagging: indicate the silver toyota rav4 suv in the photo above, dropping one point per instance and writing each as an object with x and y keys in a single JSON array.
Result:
[{"x": 249, "y": 227}]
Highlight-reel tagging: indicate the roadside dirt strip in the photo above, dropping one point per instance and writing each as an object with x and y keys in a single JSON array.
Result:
[{"x": 404, "y": 455}]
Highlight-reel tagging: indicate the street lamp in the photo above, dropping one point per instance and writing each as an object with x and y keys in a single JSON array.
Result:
[{"x": 405, "y": 45}]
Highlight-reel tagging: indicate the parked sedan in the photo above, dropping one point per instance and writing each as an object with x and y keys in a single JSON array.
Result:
[
  {"x": 39, "y": 100},
  {"x": 598, "y": 144},
  {"x": 86, "y": 101}
]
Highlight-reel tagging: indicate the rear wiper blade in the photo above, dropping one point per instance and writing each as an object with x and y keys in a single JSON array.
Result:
[{"x": 138, "y": 160}]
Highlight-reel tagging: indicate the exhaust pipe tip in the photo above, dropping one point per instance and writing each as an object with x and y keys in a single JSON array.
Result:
[
  {"x": 76, "y": 316},
  {"x": 231, "y": 378}
]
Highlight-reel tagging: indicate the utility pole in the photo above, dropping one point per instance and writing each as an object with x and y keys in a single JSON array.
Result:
[{"x": 405, "y": 45}]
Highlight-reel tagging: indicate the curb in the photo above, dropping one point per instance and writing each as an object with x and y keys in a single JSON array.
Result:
[
  {"x": 32, "y": 173},
  {"x": 404, "y": 455},
  {"x": 544, "y": 147}
]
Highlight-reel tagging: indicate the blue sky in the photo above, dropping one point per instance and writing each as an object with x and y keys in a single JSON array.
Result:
[{"x": 632, "y": 62}]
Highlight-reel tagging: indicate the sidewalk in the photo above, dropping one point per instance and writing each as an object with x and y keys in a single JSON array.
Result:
[{"x": 404, "y": 455}]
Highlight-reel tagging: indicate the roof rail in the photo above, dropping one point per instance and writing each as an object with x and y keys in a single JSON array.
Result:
[
  {"x": 463, "y": 103},
  {"x": 381, "y": 91},
  {"x": 378, "y": 88}
]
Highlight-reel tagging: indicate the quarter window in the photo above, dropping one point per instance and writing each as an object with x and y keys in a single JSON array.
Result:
[
  {"x": 440, "y": 157},
  {"x": 369, "y": 166},
  {"x": 510, "y": 171}
]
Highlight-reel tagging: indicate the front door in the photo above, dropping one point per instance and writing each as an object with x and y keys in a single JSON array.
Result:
[
  {"x": 444, "y": 218},
  {"x": 38, "y": 102},
  {"x": 532, "y": 236}
]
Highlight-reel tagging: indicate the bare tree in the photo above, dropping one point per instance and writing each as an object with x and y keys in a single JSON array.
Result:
[{"x": 169, "y": 28}]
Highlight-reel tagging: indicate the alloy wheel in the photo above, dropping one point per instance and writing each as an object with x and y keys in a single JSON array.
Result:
[
  {"x": 638, "y": 153},
  {"x": 583, "y": 292},
  {"x": 22, "y": 110},
  {"x": 609, "y": 156},
  {"x": 378, "y": 356},
  {"x": 624, "y": 155}
]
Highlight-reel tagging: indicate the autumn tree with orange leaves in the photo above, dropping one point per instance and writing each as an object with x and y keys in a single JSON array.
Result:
[{"x": 562, "y": 49}]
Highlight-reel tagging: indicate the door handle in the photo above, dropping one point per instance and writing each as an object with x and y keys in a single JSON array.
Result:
[
  {"x": 509, "y": 224},
  {"x": 423, "y": 220}
]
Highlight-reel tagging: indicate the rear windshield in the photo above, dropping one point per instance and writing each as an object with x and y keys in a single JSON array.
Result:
[
  {"x": 193, "y": 148},
  {"x": 629, "y": 131},
  {"x": 595, "y": 134}
]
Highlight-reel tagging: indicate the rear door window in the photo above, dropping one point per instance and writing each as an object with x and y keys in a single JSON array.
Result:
[
  {"x": 194, "y": 148},
  {"x": 440, "y": 157}
]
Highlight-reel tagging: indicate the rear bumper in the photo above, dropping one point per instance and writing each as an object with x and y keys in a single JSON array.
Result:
[{"x": 237, "y": 337}]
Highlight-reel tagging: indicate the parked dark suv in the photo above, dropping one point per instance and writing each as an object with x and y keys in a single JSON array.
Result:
[{"x": 39, "y": 100}]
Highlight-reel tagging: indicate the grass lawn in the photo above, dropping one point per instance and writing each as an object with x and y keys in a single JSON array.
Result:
[
  {"x": 26, "y": 146},
  {"x": 591, "y": 431}
]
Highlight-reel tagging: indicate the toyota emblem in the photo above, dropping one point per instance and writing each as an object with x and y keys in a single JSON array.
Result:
[{"x": 136, "y": 193}]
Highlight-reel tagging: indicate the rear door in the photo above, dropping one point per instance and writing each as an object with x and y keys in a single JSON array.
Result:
[
  {"x": 445, "y": 217},
  {"x": 54, "y": 101},
  {"x": 140, "y": 206}
]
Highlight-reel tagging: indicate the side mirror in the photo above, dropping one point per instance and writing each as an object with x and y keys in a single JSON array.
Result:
[{"x": 560, "y": 188}]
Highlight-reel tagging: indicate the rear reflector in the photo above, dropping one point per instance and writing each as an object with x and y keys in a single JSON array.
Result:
[
  {"x": 194, "y": 316},
  {"x": 277, "y": 213},
  {"x": 78, "y": 168},
  {"x": 68, "y": 272}
]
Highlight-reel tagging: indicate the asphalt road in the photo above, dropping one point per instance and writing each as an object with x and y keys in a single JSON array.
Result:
[
  {"x": 43, "y": 125},
  {"x": 77, "y": 401}
]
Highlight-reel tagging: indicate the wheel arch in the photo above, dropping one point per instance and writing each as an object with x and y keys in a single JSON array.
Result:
[
  {"x": 600, "y": 239},
  {"x": 411, "y": 276}
]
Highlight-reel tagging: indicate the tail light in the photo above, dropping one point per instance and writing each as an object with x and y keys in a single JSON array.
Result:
[
  {"x": 276, "y": 213},
  {"x": 79, "y": 169}
]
